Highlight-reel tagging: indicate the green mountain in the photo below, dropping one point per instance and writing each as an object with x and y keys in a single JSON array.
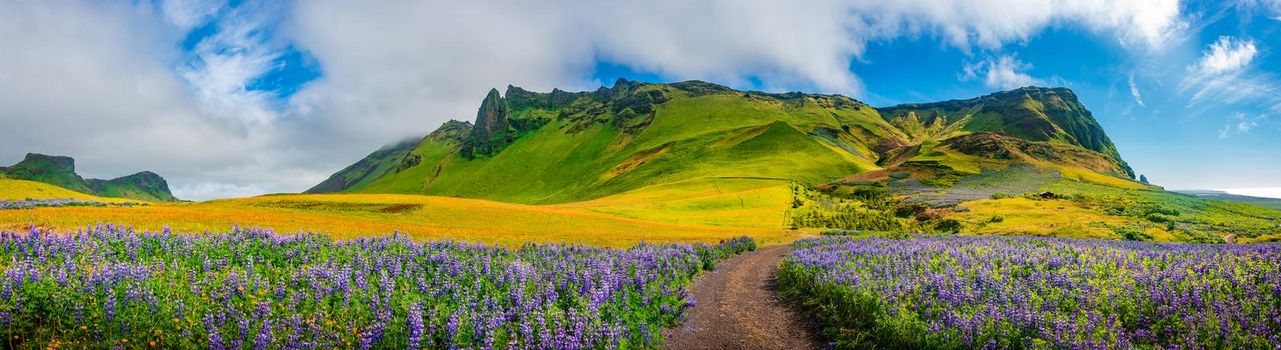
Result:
[
  {"x": 61, "y": 171},
  {"x": 531, "y": 147},
  {"x": 1051, "y": 115}
]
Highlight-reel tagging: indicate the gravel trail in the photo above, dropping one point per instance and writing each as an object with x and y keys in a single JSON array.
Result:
[{"x": 736, "y": 308}]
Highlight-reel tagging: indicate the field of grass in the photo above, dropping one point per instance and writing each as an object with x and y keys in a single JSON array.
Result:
[
  {"x": 11, "y": 189},
  {"x": 1054, "y": 218},
  {"x": 429, "y": 217},
  {"x": 715, "y": 202}
]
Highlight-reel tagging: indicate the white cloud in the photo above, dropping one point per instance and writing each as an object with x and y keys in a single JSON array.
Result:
[
  {"x": 228, "y": 60},
  {"x": 1140, "y": 23},
  {"x": 96, "y": 81},
  {"x": 1134, "y": 91},
  {"x": 1004, "y": 72},
  {"x": 1241, "y": 123},
  {"x": 1226, "y": 56},
  {"x": 187, "y": 14},
  {"x": 1270, "y": 8},
  {"x": 1224, "y": 74}
]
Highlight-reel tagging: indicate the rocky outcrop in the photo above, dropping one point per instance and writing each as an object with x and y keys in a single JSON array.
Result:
[
  {"x": 492, "y": 131},
  {"x": 452, "y": 131}
]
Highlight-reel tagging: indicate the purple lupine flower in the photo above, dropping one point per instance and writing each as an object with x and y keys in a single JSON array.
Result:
[{"x": 415, "y": 325}]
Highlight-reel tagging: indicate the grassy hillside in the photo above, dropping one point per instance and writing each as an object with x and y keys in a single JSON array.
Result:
[
  {"x": 12, "y": 190},
  {"x": 54, "y": 170},
  {"x": 371, "y": 167},
  {"x": 60, "y": 171},
  {"x": 599, "y": 144},
  {"x": 695, "y": 153},
  {"x": 1024, "y": 199},
  {"x": 1036, "y": 114}
]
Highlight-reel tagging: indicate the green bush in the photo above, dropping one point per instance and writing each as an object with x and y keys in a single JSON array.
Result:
[
  {"x": 1158, "y": 218},
  {"x": 948, "y": 226}
]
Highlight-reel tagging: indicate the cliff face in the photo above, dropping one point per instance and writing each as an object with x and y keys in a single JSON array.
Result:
[{"x": 492, "y": 131}]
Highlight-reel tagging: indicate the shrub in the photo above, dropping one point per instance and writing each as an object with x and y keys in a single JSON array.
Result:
[
  {"x": 948, "y": 226},
  {"x": 1158, "y": 218}
]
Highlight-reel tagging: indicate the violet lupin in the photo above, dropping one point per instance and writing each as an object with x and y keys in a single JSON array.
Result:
[{"x": 254, "y": 288}]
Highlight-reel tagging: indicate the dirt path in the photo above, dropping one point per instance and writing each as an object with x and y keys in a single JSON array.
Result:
[{"x": 736, "y": 309}]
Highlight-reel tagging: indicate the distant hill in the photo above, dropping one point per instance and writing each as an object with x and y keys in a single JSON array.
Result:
[
  {"x": 1051, "y": 115},
  {"x": 61, "y": 171},
  {"x": 1273, "y": 203},
  {"x": 531, "y": 147}
]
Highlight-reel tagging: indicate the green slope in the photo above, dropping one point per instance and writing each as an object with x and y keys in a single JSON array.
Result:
[
  {"x": 1052, "y": 115},
  {"x": 1031, "y": 160},
  {"x": 556, "y": 147},
  {"x": 144, "y": 185},
  {"x": 575, "y": 146},
  {"x": 54, "y": 170},
  {"x": 61, "y": 171},
  {"x": 366, "y": 170}
]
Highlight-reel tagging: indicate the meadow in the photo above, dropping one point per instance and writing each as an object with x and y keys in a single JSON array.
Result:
[
  {"x": 1088, "y": 210},
  {"x": 18, "y": 190},
  {"x": 958, "y": 292},
  {"x": 252, "y": 288},
  {"x": 611, "y": 222}
]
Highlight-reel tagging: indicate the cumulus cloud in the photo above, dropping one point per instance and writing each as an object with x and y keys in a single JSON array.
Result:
[
  {"x": 109, "y": 83},
  {"x": 1004, "y": 72},
  {"x": 1226, "y": 56}
]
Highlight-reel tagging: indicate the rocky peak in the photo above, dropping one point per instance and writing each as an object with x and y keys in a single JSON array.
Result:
[
  {"x": 57, "y": 164},
  {"x": 452, "y": 130},
  {"x": 492, "y": 130}
]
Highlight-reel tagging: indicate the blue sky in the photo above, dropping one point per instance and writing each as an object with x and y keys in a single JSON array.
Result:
[{"x": 233, "y": 98}]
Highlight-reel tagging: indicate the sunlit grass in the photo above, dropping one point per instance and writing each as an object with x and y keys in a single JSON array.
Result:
[
  {"x": 11, "y": 189},
  {"x": 1058, "y": 218},
  {"x": 420, "y": 217}
]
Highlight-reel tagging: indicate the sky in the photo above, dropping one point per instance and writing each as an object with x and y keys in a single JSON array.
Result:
[{"x": 239, "y": 98}]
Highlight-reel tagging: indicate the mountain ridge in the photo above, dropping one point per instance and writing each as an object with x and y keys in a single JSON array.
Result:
[
  {"x": 61, "y": 171},
  {"x": 533, "y": 147}
]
